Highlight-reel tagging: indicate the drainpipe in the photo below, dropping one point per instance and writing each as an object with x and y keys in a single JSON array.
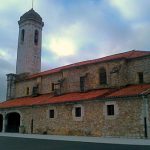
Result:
[
  {"x": 32, "y": 127},
  {"x": 146, "y": 116},
  {"x": 4, "y": 124}
]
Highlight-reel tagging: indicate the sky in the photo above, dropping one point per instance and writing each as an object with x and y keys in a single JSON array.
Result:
[{"x": 75, "y": 30}]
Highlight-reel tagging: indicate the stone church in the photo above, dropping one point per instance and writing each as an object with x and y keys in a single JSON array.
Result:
[{"x": 107, "y": 97}]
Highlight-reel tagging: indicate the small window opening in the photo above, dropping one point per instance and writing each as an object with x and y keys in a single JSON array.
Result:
[
  {"x": 110, "y": 110},
  {"x": 141, "y": 79},
  {"x": 103, "y": 76},
  {"x": 53, "y": 86},
  {"x": 22, "y": 35},
  {"x": 51, "y": 113},
  {"x": 78, "y": 112},
  {"x": 27, "y": 91},
  {"x": 36, "y": 36},
  {"x": 82, "y": 84},
  {"x": 35, "y": 91}
]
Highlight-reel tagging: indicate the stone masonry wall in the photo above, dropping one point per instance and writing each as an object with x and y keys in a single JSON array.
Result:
[
  {"x": 72, "y": 76},
  {"x": 47, "y": 81},
  {"x": 29, "y": 54},
  {"x": 127, "y": 122},
  {"x": 139, "y": 65},
  {"x": 119, "y": 73},
  {"x": 21, "y": 87},
  {"x": 148, "y": 119}
]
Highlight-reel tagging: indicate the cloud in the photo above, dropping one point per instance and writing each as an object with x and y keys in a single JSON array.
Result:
[
  {"x": 62, "y": 46},
  {"x": 76, "y": 30},
  {"x": 5, "y": 67},
  {"x": 100, "y": 29},
  {"x": 12, "y": 4},
  {"x": 132, "y": 9},
  {"x": 7, "y": 55},
  {"x": 64, "y": 43}
]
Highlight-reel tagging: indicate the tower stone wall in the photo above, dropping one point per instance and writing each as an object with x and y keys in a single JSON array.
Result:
[
  {"x": 11, "y": 86},
  {"x": 29, "y": 50},
  {"x": 29, "y": 43}
]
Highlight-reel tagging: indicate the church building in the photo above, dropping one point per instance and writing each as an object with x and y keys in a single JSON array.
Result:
[{"x": 105, "y": 97}]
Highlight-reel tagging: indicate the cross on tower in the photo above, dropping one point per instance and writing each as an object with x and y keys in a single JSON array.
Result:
[{"x": 32, "y": 3}]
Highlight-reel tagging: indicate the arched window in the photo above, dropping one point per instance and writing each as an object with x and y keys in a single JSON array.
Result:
[
  {"x": 13, "y": 122},
  {"x": 102, "y": 76},
  {"x": 22, "y": 35},
  {"x": 36, "y": 37}
]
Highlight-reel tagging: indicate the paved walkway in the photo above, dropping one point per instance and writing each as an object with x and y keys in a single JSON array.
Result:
[{"x": 82, "y": 139}]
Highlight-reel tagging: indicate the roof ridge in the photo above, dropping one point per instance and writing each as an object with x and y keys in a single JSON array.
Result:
[{"x": 128, "y": 54}]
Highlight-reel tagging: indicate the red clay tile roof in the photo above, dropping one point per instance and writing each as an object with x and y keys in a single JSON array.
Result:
[
  {"x": 126, "y": 55},
  {"x": 47, "y": 99},
  {"x": 132, "y": 90}
]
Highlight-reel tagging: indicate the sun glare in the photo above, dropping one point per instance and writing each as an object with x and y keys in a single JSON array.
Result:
[{"x": 62, "y": 46}]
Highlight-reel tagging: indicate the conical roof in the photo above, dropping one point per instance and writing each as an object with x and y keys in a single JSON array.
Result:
[{"x": 31, "y": 15}]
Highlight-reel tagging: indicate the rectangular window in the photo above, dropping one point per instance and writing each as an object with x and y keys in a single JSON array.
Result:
[
  {"x": 103, "y": 76},
  {"x": 82, "y": 84},
  {"x": 53, "y": 86},
  {"x": 35, "y": 91},
  {"x": 110, "y": 110},
  {"x": 140, "y": 75},
  {"x": 51, "y": 113},
  {"x": 78, "y": 112},
  {"x": 27, "y": 91}
]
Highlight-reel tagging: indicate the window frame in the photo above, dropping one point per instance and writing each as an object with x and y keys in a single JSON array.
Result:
[
  {"x": 78, "y": 118},
  {"x": 48, "y": 112},
  {"x": 105, "y": 110}
]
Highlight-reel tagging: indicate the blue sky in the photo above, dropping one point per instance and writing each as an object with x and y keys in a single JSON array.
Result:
[{"x": 75, "y": 30}]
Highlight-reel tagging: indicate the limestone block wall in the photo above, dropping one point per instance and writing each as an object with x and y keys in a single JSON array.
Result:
[
  {"x": 127, "y": 121},
  {"x": 148, "y": 119},
  {"x": 46, "y": 83},
  {"x": 72, "y": 78},
  {"x": 139, "y": 65},
  {"x": 119, "y": 73},
  {"x": 91, "y": 73},
  {"x": 21, "y": 87},
  {"x": 29, "y": 54}
]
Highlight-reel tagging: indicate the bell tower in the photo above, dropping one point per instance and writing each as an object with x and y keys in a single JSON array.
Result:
[
  {"x": 29, "y": 49},
  {"x": 29, "y": 43}
]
